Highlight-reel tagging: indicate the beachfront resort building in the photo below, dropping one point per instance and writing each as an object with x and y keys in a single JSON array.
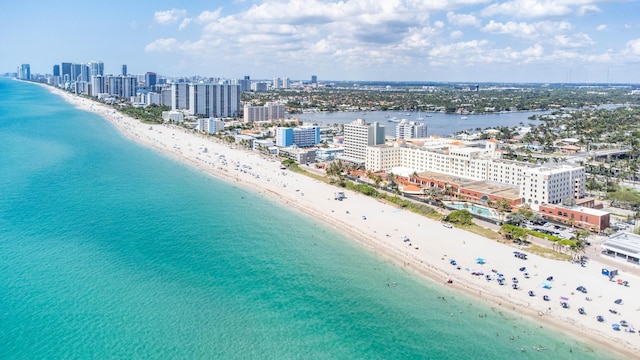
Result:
[
  {"x": 173, "y": 116},
  {"x": 214, "y": 100},
  {"x": 301, "y": 156},
  {"x": 411, "y": 130},
  {"x": 97, "y": 85},
  {"x": 179, "y": 96},
  {"x": 24, "y": 72},
  {"x": 208, "y": 100},
  {"x": 121, "y": 86},
  {"x": 305, "y": 136},
  {"x": 210, "y": 125},
  {"x": 537, "y": 184},
  {"x": 271, "y": 111},
  {"x": 358, "y": 136}
]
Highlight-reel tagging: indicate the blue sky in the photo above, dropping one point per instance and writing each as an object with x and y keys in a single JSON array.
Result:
[{"x": 420, "y": 40}]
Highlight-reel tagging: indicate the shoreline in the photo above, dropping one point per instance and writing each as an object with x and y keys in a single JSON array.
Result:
[{"x": 431, "y": 246}]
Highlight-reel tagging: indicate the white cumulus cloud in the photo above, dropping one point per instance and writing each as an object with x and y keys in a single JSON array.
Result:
[
  {"x": 588, "y": 9},
  {"x": 185, "y": 22},
  {"x": 462, "y": 19},
  {"x": 169, "y": 16},
  {"x": 162, "y": 45},
  {"x": 528, "y": 8},
  {"x": 457, "y": 34},
  {"x": 528, "y": 30},
  {"x": 633, "y": 47}
]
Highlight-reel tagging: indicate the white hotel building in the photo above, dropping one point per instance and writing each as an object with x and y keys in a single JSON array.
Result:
[
  {"x": 411, "y": 130},
  {"x": 358, "y": 135},
  {"x": 214, "y": 100},
  {"x": 271, "y": 111},
  {"x": 208, "y": 100},
  {"x": 538, "y": 184}
]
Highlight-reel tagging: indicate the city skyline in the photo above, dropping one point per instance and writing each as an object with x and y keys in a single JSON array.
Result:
[{"x": 533, "y": 41}]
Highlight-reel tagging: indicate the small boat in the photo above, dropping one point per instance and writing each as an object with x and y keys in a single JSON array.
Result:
[
  {"x": 463, "y": 118},
  {"x": 545, "y": 298},
  {"x": 581, "y": 311},
  {"x": 600, "y": 318}
]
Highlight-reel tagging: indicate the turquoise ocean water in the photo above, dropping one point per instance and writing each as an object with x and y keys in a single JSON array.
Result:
[{"x": 112, "y": 250}]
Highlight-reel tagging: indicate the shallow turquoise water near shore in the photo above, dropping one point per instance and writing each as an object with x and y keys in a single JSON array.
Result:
[{"x": 111, "y": 250}]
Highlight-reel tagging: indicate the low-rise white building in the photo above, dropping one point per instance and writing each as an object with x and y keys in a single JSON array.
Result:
[
  {"x": 210, "y": 125},
  {"x": 624, "y": 246},
  {"x": 173, "y": 115}
]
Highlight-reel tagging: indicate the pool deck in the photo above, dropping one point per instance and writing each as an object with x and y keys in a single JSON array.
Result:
[{"x": 470, "y": 207}]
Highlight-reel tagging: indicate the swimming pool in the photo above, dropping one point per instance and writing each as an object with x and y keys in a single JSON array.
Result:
[{"x": 472, "y": 208}]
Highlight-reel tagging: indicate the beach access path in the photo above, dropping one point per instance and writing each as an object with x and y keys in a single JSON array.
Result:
[{"x": 382, "y": 229}]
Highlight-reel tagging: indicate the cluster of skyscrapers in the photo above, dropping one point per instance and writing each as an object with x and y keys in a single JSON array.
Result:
[
  {"x": 198, "y": 97},
  {"x": 24, "y": 72}
]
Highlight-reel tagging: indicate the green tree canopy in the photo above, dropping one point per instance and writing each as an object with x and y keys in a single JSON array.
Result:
[{"x": 462, "y": 217}]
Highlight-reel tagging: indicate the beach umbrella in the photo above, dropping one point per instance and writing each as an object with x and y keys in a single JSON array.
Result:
[
  {"x": 618, "y": 301},
  {"x": 546, "y": 285}
]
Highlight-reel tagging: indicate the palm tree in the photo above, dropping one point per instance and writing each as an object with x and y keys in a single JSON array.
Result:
[
  {"x": 391, "y": 181},
  {"x": 414, "y": 177},
  {"x": 377, "y": 180}
]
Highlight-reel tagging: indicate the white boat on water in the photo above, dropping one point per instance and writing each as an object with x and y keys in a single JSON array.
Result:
[
  {"x": 463, "y": 118},
  {"x": 394, "y": 120}
]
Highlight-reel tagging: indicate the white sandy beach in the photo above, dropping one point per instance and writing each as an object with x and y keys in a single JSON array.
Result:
[{"x": 431, "y": 245}]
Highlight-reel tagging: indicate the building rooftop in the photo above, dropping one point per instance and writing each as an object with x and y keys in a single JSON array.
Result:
[
  {"x": 451, "y": 179},
  {"x": 582, "y": 209},
  {"x": 504, "y": 191},
  {"x": 625, "y": 242}
]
